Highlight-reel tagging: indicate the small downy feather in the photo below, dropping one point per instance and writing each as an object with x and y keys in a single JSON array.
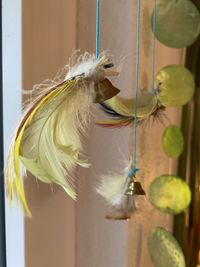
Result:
[
  {"x": 119, "y": 191},
  {"x": 47, "y": 141},
  {"x": 121, "y": 110},
  {"x": 113, "y": 189}
]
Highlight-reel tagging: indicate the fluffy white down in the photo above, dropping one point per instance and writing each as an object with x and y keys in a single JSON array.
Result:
[
  {"x": 112, "y": 188},
  {"x": 88, "y": 66}
]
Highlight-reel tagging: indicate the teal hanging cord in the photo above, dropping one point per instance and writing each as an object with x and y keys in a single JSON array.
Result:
[
  {"x": 134, "y": 169},
  {"x": 154, "y": 48},
  {"x": 97, "y": 27}
]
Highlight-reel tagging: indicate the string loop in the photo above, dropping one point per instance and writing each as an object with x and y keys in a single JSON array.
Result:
[{"x": 132, "y": 172}]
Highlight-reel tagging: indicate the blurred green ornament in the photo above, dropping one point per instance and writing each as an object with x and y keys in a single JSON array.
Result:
[
  {"x": 164, "y": 249},
  {"x": 175, "y": 85},
  {"x": 177, "y": 23},
  {"x": 173, "y": 141},
  {"x": 169, "y": 194}
]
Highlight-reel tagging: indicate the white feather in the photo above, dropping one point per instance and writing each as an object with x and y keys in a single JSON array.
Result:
[{"x": 113, "y": 188}]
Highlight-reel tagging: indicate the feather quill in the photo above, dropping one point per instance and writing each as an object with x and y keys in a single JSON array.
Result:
[{"x": 47, "y": 141}]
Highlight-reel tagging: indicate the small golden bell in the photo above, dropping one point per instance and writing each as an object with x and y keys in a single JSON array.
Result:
[
  {"x": 130, "y": 190},
  {"x": 134, "y": 188}
]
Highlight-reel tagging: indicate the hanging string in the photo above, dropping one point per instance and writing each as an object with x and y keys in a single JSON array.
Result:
[
  {"x": 134, "y": 167},
  {"x": 97, "y": 27},
  {"x": 154, "y": 48}
]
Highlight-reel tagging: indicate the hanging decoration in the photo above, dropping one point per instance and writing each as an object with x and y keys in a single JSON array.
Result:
[
  {"x": 177, "y": 23},
  {"x": 169, "y": 194},
  {"x": 164, "y": 249},
  {"x": 120, "y": 190},
  {"x": 121, "y": 110},
  {"x": 47, "y": 141},
  {"x": 174, "y": 85},
  {"x": 173, "y": 141}
]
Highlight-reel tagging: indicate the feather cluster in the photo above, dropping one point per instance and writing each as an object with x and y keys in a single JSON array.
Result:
[
  {"x": 47, "y": 141},
  {"x": 121, "y": 110}
]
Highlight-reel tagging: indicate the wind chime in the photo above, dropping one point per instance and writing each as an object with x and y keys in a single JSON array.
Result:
[
  {"x": 47, "y": 140},
  {"x": 177, "y": 25}
]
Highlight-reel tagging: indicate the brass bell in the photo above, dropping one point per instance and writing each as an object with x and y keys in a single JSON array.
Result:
[{"x": 135, "y": 188}]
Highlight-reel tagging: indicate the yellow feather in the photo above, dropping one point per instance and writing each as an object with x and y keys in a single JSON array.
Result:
[
  {"x": 114, "y": 123},
  {"x": 47, "y": 142},
  {"x": 15, "y": 183},
  {"x": 147, "y": 104}
]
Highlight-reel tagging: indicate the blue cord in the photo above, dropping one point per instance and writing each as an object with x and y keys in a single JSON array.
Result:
[
  {"x": 134, "y": 169},
  {"x": 154, "y": 48},
  {"x": 97, "y": 27}
]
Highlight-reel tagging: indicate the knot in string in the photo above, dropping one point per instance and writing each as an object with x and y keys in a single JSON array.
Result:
[{"x": 132, "y": 172}]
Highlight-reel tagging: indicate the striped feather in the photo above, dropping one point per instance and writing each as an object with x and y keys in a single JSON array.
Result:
[{"x": 121, "y": 110}]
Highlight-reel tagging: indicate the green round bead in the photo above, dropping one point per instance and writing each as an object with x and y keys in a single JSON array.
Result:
[
  {"x": 169, "y": 194},
  {"x": 177, "y": 23},
  {"x": 175, "y": 85},
  {"x": 173, "y": 141},
  {"x": 164, "y": 249}
]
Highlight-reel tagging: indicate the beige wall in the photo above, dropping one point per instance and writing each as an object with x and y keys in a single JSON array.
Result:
[
  {"x": 49, "y": 37},
  {"x": 62, "y": 233}
]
